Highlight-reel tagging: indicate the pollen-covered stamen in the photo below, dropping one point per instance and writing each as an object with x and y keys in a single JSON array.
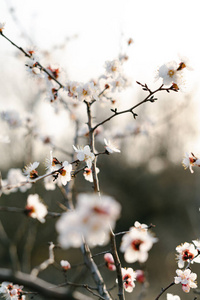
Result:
[
  {"x": 33, "y": 174},
  {"x": 87, "y": 171},
  {"x": 114, "y": 68},
  {"x": 136, "y": 244},
  {"x": 62, "y": 172},
  {"x": 9, "y": 286},
  {"x": 187, "y": 255},
  {"x": 84, "y": 92},
  {"x": 171, "y": 73},
  {"x": 127, "y": 280}
]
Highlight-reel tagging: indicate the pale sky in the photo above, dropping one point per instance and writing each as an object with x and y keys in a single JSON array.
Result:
[{"x": 160, "y": 30}]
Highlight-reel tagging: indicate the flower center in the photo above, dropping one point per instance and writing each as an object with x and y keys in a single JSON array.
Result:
[
  {"x": 136, "y": 244},
  {"x": 99, "y": 210},
  {"x": 187, "y": 255},
  {"x": 33, "y": 174},
  {"x": 171, "y": 73}
]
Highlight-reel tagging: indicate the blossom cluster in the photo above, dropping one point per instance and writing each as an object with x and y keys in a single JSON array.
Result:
[
  {"x": 187, "y": 253},
  {"x": 11, "y": 291}
]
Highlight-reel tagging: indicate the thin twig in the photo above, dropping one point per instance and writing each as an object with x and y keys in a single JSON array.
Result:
[
  {"x": 130, "y": 110},
  {"x": 29, "y": 55},
  {"x": 163, "y": 290},
  {"x": 46, "y": 263}
]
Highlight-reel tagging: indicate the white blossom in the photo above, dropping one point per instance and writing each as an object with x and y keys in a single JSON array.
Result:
[
  {"x": 88, "y": 174},
  {"x": 186, "y": 253},
  {"x": 87, "y": 92},
  {"x": 128, "y": 276},
  {"x": 30, "y": 170},
  {"x": 65, "y": 172},
  {"x": 170, "y": 75},
  {"x": 172, "y": 297},
  {"x": 110, "y": 146},
  {"x": 65, "y": 265},
  {"x": 35, "y": 208},
  {"x": 85, "y": 154},
  {"x": 186, "y": 278},
  {"x": 136, "y": 244},
  {"x": 92, "y": 219}
]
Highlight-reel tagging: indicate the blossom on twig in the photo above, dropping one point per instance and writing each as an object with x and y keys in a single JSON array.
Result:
[
  {"x": 110, "y": 263},
  {"x": 85, "y": 154},
  {"x": 2, "y": 26},
  {"x": 35, "y": 208},
  {"x": 186, "y": 278},
  {"x": 128, "y": 277},
  {"x": 33, "y": 68},
  {"x": 113, "y": 68},
  {"x": 88, "y": 174},
  {"x": 136, "y": 244},
  {"x": 186, "y": 253},
  {"x": 171, "y": 75},
  {"x": 65, "y": 265},
  {"x": 52, "y": 164},
  {"x": 65, "y": 172},
  {"x": 87, "y": 92},
  {"x": 110, "y": 147},
  {"x": 30, "y": 170}
]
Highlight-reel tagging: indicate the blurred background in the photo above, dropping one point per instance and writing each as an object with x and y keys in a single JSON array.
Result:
[{"x": 147, "y": 178}]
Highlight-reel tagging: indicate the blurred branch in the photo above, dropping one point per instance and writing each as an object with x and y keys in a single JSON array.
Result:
[
  {"x": 12, "y": 249},
  {"x": 33, "y": 283},
  {"x": 45, "y": 263},
  {"x": 92, "y": 146}
]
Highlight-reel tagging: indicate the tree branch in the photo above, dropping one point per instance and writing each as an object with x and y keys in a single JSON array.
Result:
[{"x": 46, "y": 289}]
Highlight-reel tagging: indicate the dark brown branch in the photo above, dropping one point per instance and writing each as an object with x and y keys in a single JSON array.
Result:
[
  {"x": 29, "y": 55},
  {"x": 149, "y": 98}
]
